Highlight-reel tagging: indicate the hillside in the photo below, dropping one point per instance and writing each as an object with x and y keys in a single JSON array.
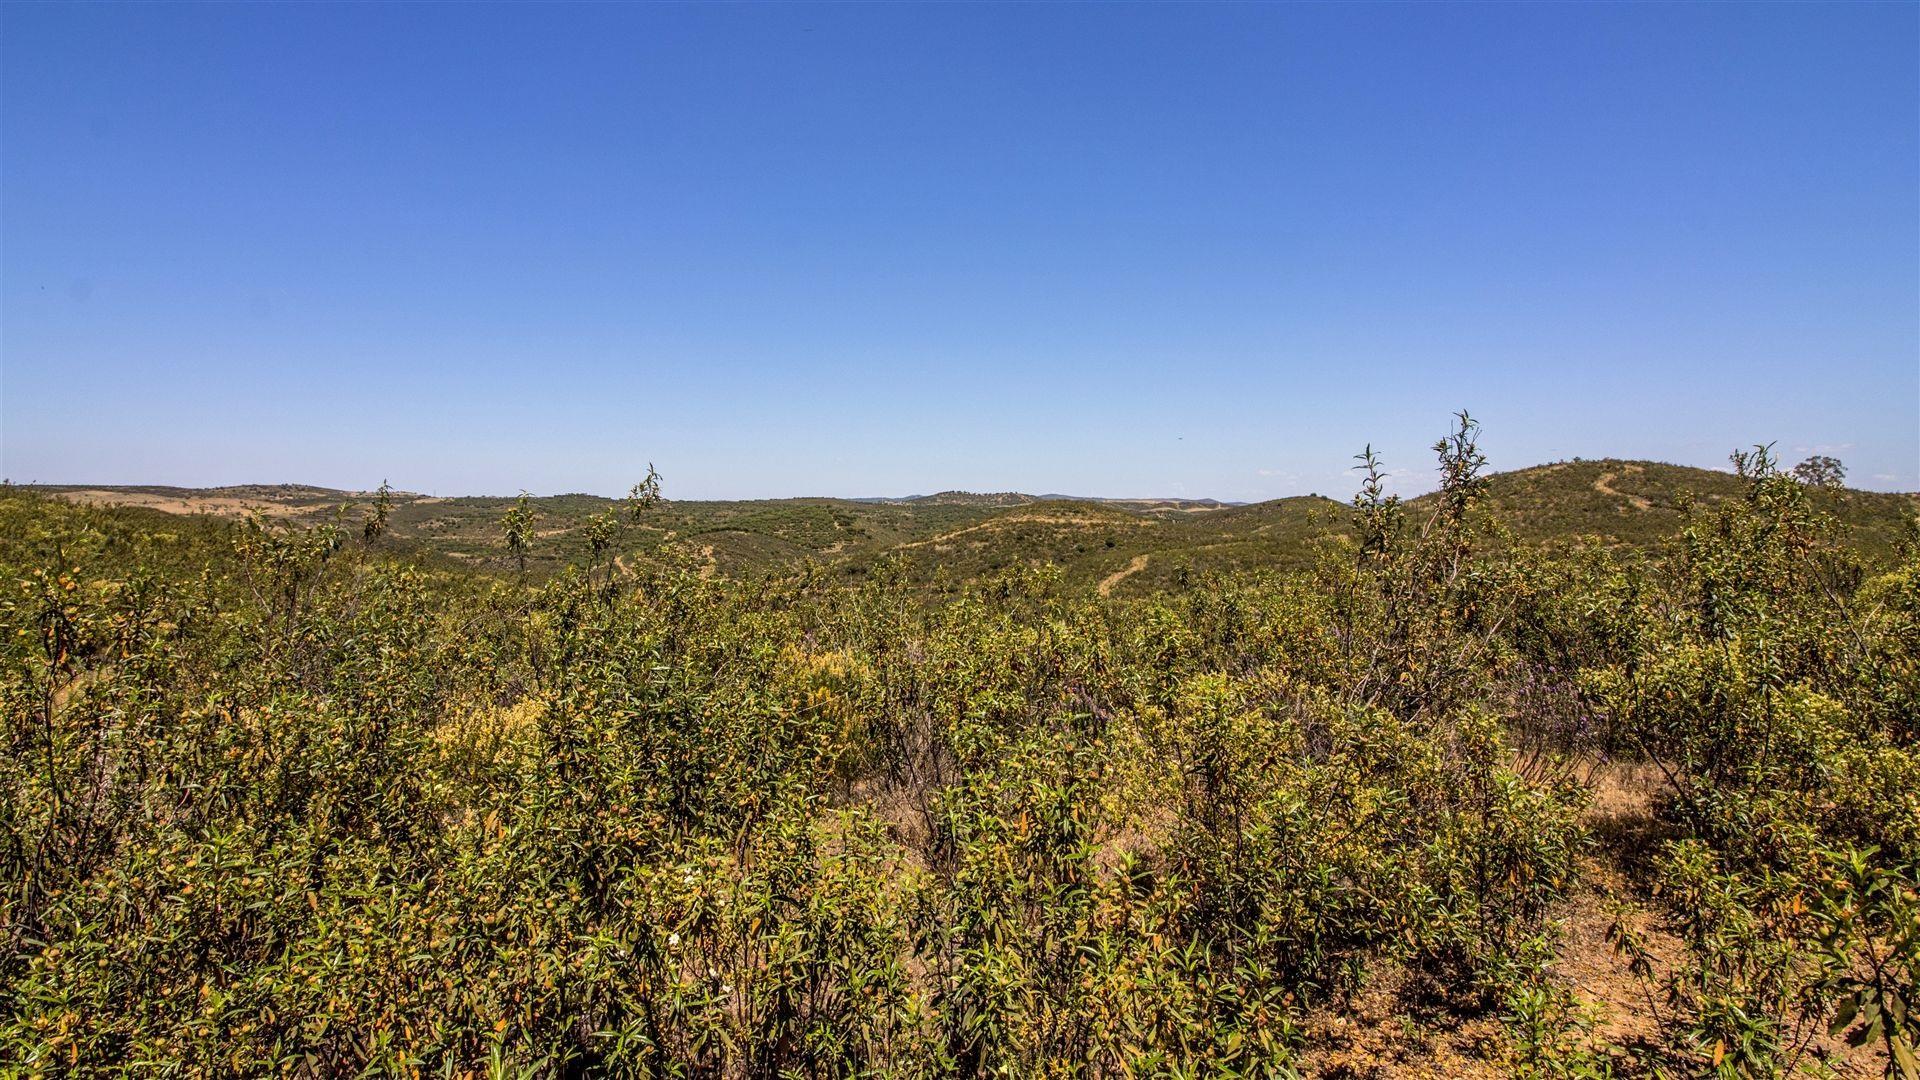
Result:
[
  {"x": 956, "y": 536},
  {"x": 1463, "y": 807},
  {"x": 1639, "y": 503}
]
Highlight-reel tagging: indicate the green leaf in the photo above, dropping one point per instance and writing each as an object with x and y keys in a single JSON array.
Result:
[
  {"x": 1903, "y": 1058},
  {"x": 1843, "y": 1018}
]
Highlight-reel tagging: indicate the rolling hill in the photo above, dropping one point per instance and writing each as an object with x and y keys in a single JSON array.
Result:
[{"x": 1121, "y": 546}]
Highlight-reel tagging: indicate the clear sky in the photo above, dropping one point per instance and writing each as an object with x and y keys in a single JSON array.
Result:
[{"x": 879, "y": 250}]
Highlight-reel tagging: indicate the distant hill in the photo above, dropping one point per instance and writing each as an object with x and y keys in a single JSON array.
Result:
[
  {"x": 1638, "y": 503},
  {"x": 1117, "y": 545},
  {"x": 1015, "y": 498},
  {"x": 968, "y": 498}
]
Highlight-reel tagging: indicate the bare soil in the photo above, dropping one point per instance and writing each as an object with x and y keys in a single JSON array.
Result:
[
  {"x": 1604, "y": 485},
  {"x": 1107, "y": 583}
]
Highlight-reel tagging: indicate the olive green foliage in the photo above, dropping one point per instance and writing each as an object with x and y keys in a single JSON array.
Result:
[
  {"x": 273, "y": 803},
  {"x": 948, "y": 541},
  {"x": 516, "y": 528},
  {"x": 1773, "y": 683},
  {"x": 376, "y": 524},
  {"x": 644, "y": 496},
  {"x": 1821, "y": 470}
]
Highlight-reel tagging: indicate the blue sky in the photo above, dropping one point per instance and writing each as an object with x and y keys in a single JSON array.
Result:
[{"x": 865, "y": 249}]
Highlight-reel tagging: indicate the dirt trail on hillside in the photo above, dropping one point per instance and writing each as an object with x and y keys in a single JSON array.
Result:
[
  {"x": 1604, "y": 486},
  {"x": 1012, "y": 519},
  {"x": 1107, "y": 583}
]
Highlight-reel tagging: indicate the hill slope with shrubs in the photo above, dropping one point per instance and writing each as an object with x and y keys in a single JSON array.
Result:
[
  {"x": 954, "y": 537},
  {"x": 304, "y": 794}
]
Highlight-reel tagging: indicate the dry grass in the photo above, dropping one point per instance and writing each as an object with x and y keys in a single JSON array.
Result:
[{"x": 234, "y": 506}]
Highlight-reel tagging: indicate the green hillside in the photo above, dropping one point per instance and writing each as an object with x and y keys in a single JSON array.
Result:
[
  {"x": 1640, "y": 503},
  {"x": 1132, "y": 546},
  {"x": 1497, "y": 782}
]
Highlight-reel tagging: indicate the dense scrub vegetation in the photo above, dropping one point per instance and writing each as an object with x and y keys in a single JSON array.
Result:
[
  {"x": 946, "y": 541},
  {"x": 284, "y": 799}
]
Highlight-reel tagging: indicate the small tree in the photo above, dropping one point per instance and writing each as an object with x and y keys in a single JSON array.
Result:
[
  {"x": 1377, "y": 515},
  {"x": 644, "y": 496},
  {"x": 376, "y": 524},
  {"x": 517, "y": 526},
  {"x": 601, "y": 530},
  {"x": 1820, "y": 471}
]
